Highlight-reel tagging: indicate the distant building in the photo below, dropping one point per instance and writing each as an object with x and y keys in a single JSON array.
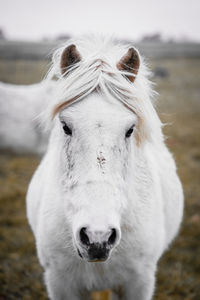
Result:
[
  {"x": 60, "y": 37},
  {"x": 63, "y": 37},
  {"x": 2, "y": 35},
  {"x": 149, "y": 38}
]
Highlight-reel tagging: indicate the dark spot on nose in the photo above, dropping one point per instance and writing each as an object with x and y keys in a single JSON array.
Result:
[{"x": 101, "y": 160}]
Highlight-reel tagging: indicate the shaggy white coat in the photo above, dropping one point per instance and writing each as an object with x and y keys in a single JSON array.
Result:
[{"x": 136, "y": 188}]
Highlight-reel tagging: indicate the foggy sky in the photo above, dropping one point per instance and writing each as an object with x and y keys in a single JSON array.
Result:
[{"x": 35, "y": 19}]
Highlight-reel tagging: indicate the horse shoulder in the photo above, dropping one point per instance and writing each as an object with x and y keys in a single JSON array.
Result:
[
  {"x": 35, "y": 194},
  {"x": 172, "y": 194}
]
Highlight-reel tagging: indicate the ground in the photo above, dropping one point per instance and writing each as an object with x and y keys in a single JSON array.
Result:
[{"x": 178, "y": 274}]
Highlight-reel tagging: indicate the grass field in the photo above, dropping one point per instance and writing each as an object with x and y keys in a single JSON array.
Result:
[{"x": 179, "y": 270}]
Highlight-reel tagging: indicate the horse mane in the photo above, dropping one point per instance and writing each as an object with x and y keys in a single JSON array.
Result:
[{"x": 97, "y": 72}]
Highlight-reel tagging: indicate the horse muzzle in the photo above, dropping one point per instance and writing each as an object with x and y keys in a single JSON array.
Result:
[{"x": 96, "y": 246}]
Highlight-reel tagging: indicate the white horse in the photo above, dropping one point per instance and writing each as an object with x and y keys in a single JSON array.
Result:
[
  {"x": 20, "y": 124},
  {"x": 106, "y": 191}
]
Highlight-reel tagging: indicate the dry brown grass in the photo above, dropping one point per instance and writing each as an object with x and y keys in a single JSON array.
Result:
[
  {"x": 179, "y": 269},
  {"x": 22, "y": 71}
]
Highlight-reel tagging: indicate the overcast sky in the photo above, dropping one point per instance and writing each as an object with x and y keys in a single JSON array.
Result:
[{"x": 35, "y": 19}]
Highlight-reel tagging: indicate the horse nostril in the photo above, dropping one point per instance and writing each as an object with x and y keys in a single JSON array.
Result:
[
  {"x": 112, "y": 238},
  {"x": 84, "y": 237}
]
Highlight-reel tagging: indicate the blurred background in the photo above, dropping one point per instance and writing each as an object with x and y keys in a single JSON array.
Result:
[{"x": 167, "y": 33}]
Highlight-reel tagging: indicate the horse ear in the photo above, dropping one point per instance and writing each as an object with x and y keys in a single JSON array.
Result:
[
  {"x": 130, "y": 62},
  {"x": 69, "y": 57}
]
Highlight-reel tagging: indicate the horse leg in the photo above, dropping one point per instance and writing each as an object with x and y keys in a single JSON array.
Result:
[
  {"x": 140, "y": 289},
  {"x": 116, "y": 294},
  {"x": 59, "y": 288}
]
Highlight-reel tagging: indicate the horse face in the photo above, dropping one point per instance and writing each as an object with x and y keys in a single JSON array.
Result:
[{"x": 96, "y": 152}]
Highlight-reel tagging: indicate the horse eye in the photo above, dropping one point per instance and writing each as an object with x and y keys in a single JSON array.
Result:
[
  {"x": 66, "y": 129},
  {"x": 129, "y": 132}
]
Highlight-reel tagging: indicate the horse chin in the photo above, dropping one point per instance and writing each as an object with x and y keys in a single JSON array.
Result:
[
  {"x": 97, "y": 260},
  {"x": 86, "y": 258}
]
